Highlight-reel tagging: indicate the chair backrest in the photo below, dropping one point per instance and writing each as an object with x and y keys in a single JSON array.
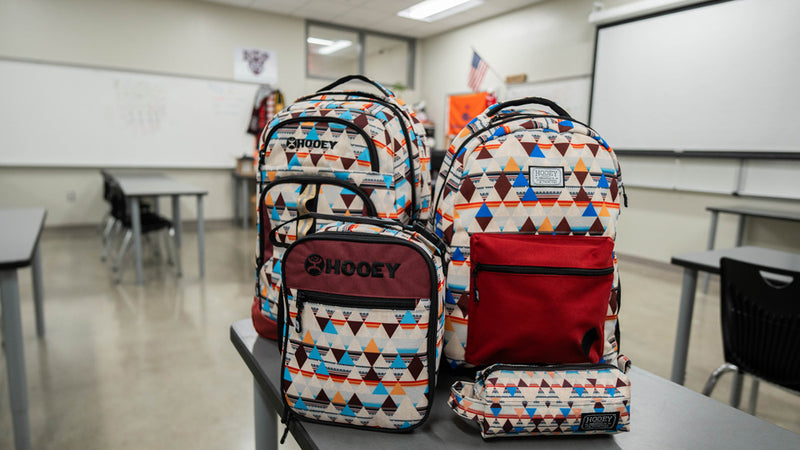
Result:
[{"x": 760, "y": 311}]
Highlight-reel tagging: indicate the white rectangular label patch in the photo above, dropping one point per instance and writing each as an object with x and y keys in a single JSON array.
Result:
[{"x": 546, "y": 176}]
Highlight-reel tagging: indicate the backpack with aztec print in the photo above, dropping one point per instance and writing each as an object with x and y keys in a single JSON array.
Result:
[
  {"x": 362, "y": 323},
  {"x": 335, "y": 152},
  {"x": 527, "y": 203}
]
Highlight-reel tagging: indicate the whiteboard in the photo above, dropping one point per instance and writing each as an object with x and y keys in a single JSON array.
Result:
[
  {"x": 56, "y": 115},
  {"x": 719, "y": 77},
  {"x": 572, "y": 94}
]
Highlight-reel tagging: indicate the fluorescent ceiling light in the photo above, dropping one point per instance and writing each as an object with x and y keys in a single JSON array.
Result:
[
  {"x": 318, "y": 41},
  {"x": 334, "y": 47},
  {"x": 431, "y": 10}
]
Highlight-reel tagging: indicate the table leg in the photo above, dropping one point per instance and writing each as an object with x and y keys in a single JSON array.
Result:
[
  {"x": 15, "y": 358},
  {"x": 712, "y": 237},
  {"x": 740, "y": 230},
  {"x": 266, "y": 421},
  {"x": 684, "y": 326},
  {"x": 201, "y": 250},
  {"x": 136, "y": 222},
  {"x": 736, "y": 389},
  {"x": 176, "y": 220},
  {"x": 38, "y": 291},
  {"x": 245, "y": 203}
]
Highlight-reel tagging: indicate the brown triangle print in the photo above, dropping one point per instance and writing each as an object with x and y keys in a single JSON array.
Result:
[
  {"x": 355, "y": 403},
  {"x": 528, "y": 125},
  {"x": 582, "y": 196},
  {"x": 361, "y": 120},
  {"x": 581, "y": 176},
  {"x": 562, "y": 127},
  {"x": 415, "y": 367},
  {"x": 484, "y": 222},
  {"x": 502, "y": 185},
  {"x": 372, "y": 357},
  {"x": 463, "y": 304},
  {"x": 390, "y": 328},
  {"x": 279, "y": 203},
  {"x": 347, "y": 162},
  {"x": 322, "y": 321},
  {"x": 322, "y": 397},
  {"x": 467, "y": 189},
  {"x": 300, "y": 356},
  {"x": 597, "y": 228},
  {"x": 315, "y": 157},
  {"x": 338, "y": 353},
  {"x": 347, "y": 199},
  {"x": 484, "y": 154},
  {"x": 563, "y": 227},
  {"x": 528, "y": 146},
  {"x": 562, "y": 147},
  {"x": 593, "y": 147},
  {"x": 528, "y": 226},
  {"x": 613, "y": 188},
  {"x": 355, "y": 325}
]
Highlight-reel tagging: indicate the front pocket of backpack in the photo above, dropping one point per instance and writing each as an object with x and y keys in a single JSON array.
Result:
[
  {"x": 358, "y": 360},
  {"x": 538, "y": 299}
]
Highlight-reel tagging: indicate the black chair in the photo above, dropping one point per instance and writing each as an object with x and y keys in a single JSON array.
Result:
[
  {"x": 151, "y": 223},
  {"x": 760, "y": 313}
]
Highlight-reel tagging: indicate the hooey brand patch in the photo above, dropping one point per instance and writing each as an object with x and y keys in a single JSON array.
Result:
[{"x": 546, "y": 176}]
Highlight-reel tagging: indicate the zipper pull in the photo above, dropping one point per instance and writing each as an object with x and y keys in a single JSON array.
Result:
[
  {"x": 476, "y": 298},
  {"x": 298, "y": 320}
]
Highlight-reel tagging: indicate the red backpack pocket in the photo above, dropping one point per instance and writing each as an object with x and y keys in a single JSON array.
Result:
[{"x": 538, "y": 298}]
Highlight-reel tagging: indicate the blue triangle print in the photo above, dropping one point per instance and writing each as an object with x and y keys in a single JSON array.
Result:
[
  {"x": 496, "y": 411},
  {"x": 342, "y": 175},
  {"x": 294, "y": 162},
  {"x": 590, "y": 211},
  {"x": 287, "y": 376},
  {"x": 565, "y": 411},
  {"x": 611, "y": 391},
  {"x": 274, "y": 216},
  {"x": 398, "y": 363},
  {"x": 314, "y": 354},
  {"x": 457, "y": 255},
  {"x": 330, "y": 328},
  {"x": 448, "y": 297},
  {"x": 364, "y": 156},
  {"x": 531, "y": 411},
  {"x": 312, "y": 135},
  {"x": 602, "y": 182},
  {"x": 387, "y": 179},
  {"x": 299, "y": 404},
  {"x": 322, "y": 370},
  {"x": 408, "y": 319},
  {"x": 500, "y": 131},
  {"x": 483, "y": 211},
  {"x": 346, "y": 360},
  {"x": 537, "y": 152},
  {"x": 381, "y": 115},
  {"x": 511, "y": 390},
  {"x": 529, "y": 196},
  {"x": 380, "y": 389},
  {"x": 520, "y": 181},
  {"x": 346, "y": 116},
  {"x": 346, "y": 411},
  {"x": 579, "y": 391}
]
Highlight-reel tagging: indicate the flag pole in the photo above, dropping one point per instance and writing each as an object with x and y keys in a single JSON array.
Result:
[{"x": 488, "y": 65}]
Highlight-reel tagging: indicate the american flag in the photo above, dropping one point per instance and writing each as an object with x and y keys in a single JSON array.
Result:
[{"x": 476, "y": 72}]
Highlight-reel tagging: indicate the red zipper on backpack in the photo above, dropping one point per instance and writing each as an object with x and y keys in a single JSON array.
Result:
[{"x": 536, "y": 270}]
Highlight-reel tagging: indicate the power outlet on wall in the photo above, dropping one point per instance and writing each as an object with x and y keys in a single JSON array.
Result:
[{"x": 72, "y": 196}]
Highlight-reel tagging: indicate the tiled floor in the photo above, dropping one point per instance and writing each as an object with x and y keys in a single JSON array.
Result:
[{"x": 150, "y": 367}]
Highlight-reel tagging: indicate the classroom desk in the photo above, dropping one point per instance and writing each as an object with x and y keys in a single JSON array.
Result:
[
  {"x": 136, "y": 185},
  {"x": 663, "y": 415},
  {"x": 709, "y": 261},
  {"x": 241, "y": 196},
  {"x": 743, "y": 212},
  {"x": 20, "y": 230}
]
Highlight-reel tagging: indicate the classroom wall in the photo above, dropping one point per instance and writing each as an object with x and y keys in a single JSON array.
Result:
[
  {"x": 176, "y": 37},
  {"x": 552, "y": 40}
]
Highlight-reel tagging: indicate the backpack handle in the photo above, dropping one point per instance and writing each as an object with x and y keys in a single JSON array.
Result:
[
  {"x": 529, "y": 101},
  {"x": 348, "y": 78}
]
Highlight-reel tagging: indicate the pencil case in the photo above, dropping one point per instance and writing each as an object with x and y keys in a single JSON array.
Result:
[{"x": 508, "y": 400}]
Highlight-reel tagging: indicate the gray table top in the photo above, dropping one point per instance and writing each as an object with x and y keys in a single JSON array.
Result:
[
  {"x": 145, "y": 184},
  {"x": 664, "y": 415},
  {"x": 709, "y": 260},
  {"x": 20, "y": 229},
  {"x": 757, "y": 212}
]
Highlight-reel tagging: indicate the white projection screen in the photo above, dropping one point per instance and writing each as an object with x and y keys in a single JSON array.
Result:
[{"x": 721, "y": 76}]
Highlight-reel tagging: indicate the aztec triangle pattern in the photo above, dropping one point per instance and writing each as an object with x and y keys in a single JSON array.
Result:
[{"x": 507, "y": 403}]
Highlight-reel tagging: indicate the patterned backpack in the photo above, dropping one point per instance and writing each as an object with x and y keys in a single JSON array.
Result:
[
  {"x": 335, "y": 152},
  {"x": 362, "y": 322},
  {"x": 528, "y": 202}
]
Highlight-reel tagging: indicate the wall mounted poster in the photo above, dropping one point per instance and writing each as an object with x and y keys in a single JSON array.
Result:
[{"x": 256, "y": 65}]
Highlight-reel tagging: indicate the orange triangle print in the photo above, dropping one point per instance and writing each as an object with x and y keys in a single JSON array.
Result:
[
  {"x": 546, "y": 226},
  {"x": 307, "y": 339},
  {"x": 398, "y": 390},
  {"x": 580, "y": 167},
  {"x": 511, "y": 166},
  {"x": 338, "y": 399},
  {"x": 372, "y": 347},
  {"x": 604, "y": 212}
]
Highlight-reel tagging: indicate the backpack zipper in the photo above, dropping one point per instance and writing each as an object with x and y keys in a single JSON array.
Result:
[
  {"x": 348, "y": 300},
  {"x": 484, "y": 374},
  {"x": 535, "y": 270},
  {"x": 373, "y": 151}
]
